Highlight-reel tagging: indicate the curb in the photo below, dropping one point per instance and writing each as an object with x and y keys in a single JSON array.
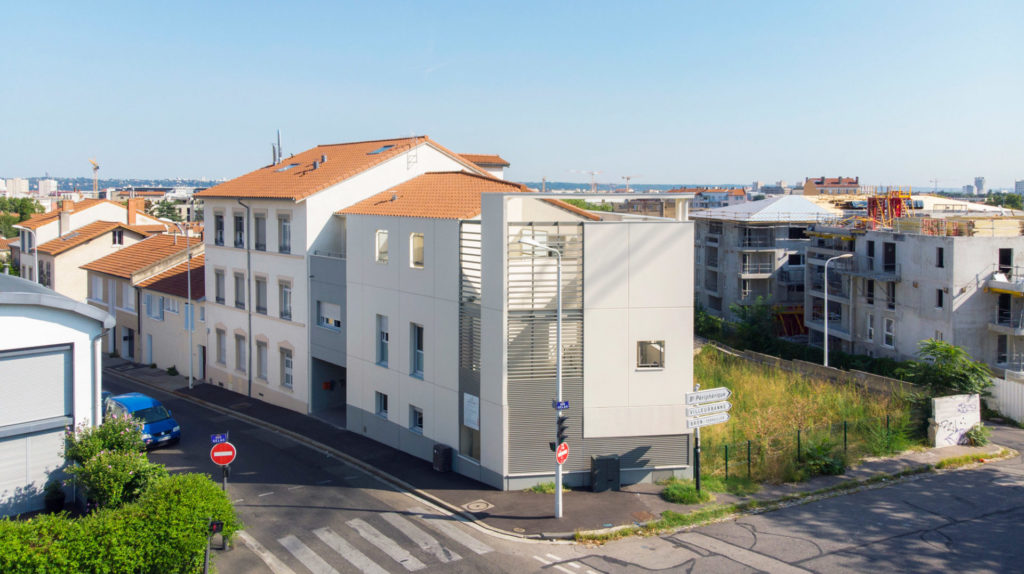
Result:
[{"x": 348, "y": 459}]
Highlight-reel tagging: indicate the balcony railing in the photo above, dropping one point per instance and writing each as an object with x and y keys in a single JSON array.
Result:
[
  {"x": 791, "y": 276},
  {"x": 751, "y": 295},
  {"x": 758, "y": 267},
  {"x": 869, "y": 267},
  {"x": 757, "y": 242},
  {"x": 1007, "y": 318}
]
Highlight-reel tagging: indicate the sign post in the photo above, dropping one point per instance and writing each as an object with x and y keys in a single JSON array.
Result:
[
  {"x": 714, "y": 405},
  {"x": 223, "y": 454}
]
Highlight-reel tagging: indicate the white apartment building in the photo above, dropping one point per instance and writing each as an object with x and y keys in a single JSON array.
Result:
[
  {"x": 1018, "y": 187},
  {"x": 274, "y": 249},
  {"x": 47, "y": 186},
  {"x": 17, "y": 187},
  {"x": 956, "y": 279},
  {"x": 451, "y": 330}
]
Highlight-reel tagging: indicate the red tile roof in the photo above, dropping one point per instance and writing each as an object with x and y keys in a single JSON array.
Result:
[
  {"x": 295, "y": 177},
  {"x": 174, "y": 281},
  {"x": 835, "y": 181},
  {"x": 5, "y": 244},
  {"x": 488, "y": 160},
  {"x": 443, "y": 195},
  {"x": 125, "y": 262},
  {"x": 78, "y": 236},
  {"x": 39, "y": 219}
]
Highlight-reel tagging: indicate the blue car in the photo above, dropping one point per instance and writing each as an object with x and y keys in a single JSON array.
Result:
[{"x": 158, "y": 426}]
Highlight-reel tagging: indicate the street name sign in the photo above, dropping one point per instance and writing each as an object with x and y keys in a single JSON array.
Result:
[
  {"x": 223, "y": 453},
  {"x": 714, "y": 419},
  {"x": 708, "y": 396},
  {"x": 562, "y": 453},
  {"x": 708, "y": 409},
  {"x": 218, "y": 438},
  {"x": 560, "y": 405}
]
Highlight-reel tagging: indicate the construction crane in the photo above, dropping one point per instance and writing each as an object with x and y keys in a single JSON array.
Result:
[
  {"x": 593, "y": 182},
  {"x": 629, "y": 177},
  {"x": 935, "y": 185},
  {"x": 95, "y": 178}
]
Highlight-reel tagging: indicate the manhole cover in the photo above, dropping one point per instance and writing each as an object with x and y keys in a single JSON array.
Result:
[
  {"x": 519, "y": 530},
  {"x": 478, "y": 506}
]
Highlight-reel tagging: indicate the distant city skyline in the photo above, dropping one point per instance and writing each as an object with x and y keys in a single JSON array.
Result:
[{"x": 896, "y": 93}]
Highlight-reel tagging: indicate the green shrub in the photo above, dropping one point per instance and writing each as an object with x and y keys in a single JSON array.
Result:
[
  {"x": 114, "y": 478},
  {"x": 684, "y": 492},
  {"x": 979, "y": 435},
  {"x": 118, "y": 433},
  {"x": 545, "y": 488},
  {"x": 173, "y": 371},
  {"x": 881, "y": 441},
  {"x": 818, "y": 458}
]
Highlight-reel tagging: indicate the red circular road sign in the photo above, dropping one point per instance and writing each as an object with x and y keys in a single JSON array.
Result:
[
  {"x": 562, "y": 453},
  {"x": 223, "y": 453}
]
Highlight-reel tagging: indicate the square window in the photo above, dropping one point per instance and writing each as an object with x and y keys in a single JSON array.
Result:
[
  {"x": 381, "y": 246},
  {"x": 650, "y": 354},
  {"x": 415, "y": 419},
  {"x": 416, "y": 250},
  {"x": 381, "y": 404}
]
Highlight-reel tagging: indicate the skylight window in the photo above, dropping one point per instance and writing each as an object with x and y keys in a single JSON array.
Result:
[
  {"x": 287, "y": 167},
  {"x": 381, "y": 149}
]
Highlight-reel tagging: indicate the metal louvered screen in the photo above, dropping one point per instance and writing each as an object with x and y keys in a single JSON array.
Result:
[{"x": 470, "y": 252}]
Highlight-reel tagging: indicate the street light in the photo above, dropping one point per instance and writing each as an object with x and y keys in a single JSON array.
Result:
[
  {"x": 843, "y": 256},
  {"x": 558, "y": 359}
]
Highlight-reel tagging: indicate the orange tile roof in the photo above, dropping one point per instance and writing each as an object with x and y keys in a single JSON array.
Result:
[
  {"x": 294, "y": 178},
  {"x": 174, "y": 281},
  {"x": 5, "y": 244},
  {"x": 150, "y": 229},
  {"x": 737, "y": 192},
  {"x": 136, "y": 257},
  {"x": 40, "y": 219},
  {"x": 78, "y": 236},
  {"x": 443, "y": 195},
  {"x": 483, "y": 159}
]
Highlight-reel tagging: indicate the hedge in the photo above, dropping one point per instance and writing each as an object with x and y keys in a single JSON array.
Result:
[{"x": 164, "y": 531}]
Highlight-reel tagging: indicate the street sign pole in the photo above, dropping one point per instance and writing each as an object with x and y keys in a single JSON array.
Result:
[
  {"x": 696, "y": 451},
  {"x": 558, "y": 374}
]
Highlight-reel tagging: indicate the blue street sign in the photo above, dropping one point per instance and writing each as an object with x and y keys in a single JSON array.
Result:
[
  {"x": 218, "y": 438},
  {"x": 560, "y": 405}
]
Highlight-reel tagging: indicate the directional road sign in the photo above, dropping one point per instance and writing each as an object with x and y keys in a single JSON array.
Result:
[
  {"x": 708, "y": 409},
  {"x": 714, "y": 419},
  {"x": 708, "y": 396},
  {"x": 223, "y": 453},
  {"x": 562, "y": 454}
]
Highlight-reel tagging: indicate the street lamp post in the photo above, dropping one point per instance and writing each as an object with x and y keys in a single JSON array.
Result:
[
  {"x": 843, "y": 256},
  {"x": 558, "y": 358}
]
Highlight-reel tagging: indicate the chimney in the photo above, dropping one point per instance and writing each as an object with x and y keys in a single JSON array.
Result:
[
  {"x": 135, "y": 205},
  {"x": 67, "y": 205},
  {"x": 323, "y": 159},
  {"x": 64, "y": 223}
]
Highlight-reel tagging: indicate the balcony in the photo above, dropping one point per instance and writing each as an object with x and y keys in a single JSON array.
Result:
[
  {"x": 871, "y": 268},
  {"x": 836, "y": 328},
  {"x": 836, "y": 286},
  {"x": 1006, "y": 322},
  {"x": 757, "y": 243},
  {"x": 1007, "y": 280},
  {"x": 791, "y": 276},
  {"x": 749, "y": 296},
  {"x": 757, "y": 270}
]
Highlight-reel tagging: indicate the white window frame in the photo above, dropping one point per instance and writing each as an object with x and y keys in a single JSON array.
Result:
[
  {"x": 870, "y": 327},
  {"x": 171, "y": 305},
  {"x": 287, "y": 367},
  {"x": 240, "y": 349},
  {"x": 889, "y": 332},
  {"x": 219, "y": 287},
  {"x": 261, "y": 360},
  {"x": 284, "y": 303},
  {"x": 380, "y": 403},
  {"x": 96, "y": 286},
  {"x": 261, "y": 295},
  {"x": 239, "y": 290},
  {"x": 260, "y": 231},
  {"x": 127, "y": 297},
  {"x": 222, "y": 347},
  {"x": 413, "y": 262},
  {"x": 643, "y": 350},
  {"x": 381, "y": 247},
  {"x": 154, "y": 307},
  {"x": 416, "y": 350},
  {"x": 328, "y": 315},
  {"x": 382, "y": 341},
  {"x": 284, "y": 233}
]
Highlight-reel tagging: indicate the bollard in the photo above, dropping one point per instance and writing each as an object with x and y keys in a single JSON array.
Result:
[
  {"x": 748, "y": 460},
  {"x": 726, "y": 462}
]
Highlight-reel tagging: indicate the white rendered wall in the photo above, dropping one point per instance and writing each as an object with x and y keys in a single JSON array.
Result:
[{"x": 170, "y": 338}]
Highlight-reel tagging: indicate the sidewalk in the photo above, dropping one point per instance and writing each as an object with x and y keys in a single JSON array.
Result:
[{"x": 514, "y": 512}]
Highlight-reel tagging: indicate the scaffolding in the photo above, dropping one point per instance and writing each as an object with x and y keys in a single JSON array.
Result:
[{"x": 887, "y": 205}]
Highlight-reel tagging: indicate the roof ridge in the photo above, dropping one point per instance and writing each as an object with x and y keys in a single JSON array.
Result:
[{"x": 375, "y": 141}]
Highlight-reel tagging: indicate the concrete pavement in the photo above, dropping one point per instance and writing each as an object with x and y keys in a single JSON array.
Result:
[{"x": 514, "y": 513}]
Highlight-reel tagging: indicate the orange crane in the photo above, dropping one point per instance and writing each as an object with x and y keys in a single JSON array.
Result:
[{"x": 95, "y": 178}]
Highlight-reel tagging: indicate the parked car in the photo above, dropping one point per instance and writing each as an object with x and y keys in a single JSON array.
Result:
[{"x": 158, "y": 426}]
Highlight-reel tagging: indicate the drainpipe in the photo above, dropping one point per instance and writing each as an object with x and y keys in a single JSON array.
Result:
[
  {"x": 97, "y": 378},
  {"x": 248, "y": 295}
]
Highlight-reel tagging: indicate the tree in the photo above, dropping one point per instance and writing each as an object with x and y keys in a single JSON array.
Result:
[
  {"x": 584, "y": 204},
  {"x": 945, "y": 368},
  {"x": 756, "y": 329},
  {"x": 166, "y": 210},
  {"x": 1008, "y": 200}
]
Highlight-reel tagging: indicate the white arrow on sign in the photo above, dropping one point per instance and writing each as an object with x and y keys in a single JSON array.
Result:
[
  {"x": 710, "y": 395},
  {"x": 708, "y": 409},
  {"x": 705, "y": 421}
]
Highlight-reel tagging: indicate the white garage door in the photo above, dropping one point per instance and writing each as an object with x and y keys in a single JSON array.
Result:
[
  {"x": 35, "y": 384},
  {"x": 26, "y": 464}
]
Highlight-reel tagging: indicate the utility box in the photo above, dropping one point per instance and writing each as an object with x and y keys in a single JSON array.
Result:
[
  {"x": 442, "y": 458},
  {"x": 604, "y": 473}
]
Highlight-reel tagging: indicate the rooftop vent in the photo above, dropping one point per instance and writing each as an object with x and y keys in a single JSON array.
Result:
[{"x": 323, "y": 159}]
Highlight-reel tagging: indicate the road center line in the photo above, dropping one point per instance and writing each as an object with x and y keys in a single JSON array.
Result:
[{"x": 746, "y": 557}]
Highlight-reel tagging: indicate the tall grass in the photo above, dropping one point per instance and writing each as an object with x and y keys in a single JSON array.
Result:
[{"x": 769, "y": 405}]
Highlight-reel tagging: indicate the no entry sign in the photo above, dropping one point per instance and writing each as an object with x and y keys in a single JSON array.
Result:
[
  {"x": 223, "y": 453},
  {"x": 562, "y": 453}
]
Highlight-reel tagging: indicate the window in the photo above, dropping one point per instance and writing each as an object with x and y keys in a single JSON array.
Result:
[
  {"x": 715, "y": 227},
  {"x": 284, "y": 234},
  {"x": 415, "y": 419},
  {"x": 869, "y": 291},
  {"x": 285, "y": 294},
  {"x": 240, "y": 353},
  {"x": 286, "y": 368},
  {"x": 260, "y": 227},
  {"x": 890, "y": 295},
  {"x": 202, "y": 314},
  {"x": 939, "y": 336},
  {"x": 261, "y": 295},
  {"x": 117, "y": 236},
  {"x": 650, "y": 354},
  {"x": 871, "y": 328},
  {"x": 154, "y": 307},
  {"x": 940, "y": 256},
  {"x": 127, "y": 296},
  {"x": 328, "y": 315},
  {"x": 871, "y": 254},
  {"x": 239, "y": 231},
  {"x": 416, "y": 350},
  {"x": 795, "y": 259},
  {"x": 381, "y": 246},
  {"x": 170, "y": 305},
  {"x": 240, "y": 290},
  {"x": 889, "y": 332},
  {"x": 381, "y": 404},
  {"x": 940, "y": 299},
  {"x": 261, "y": 360},
  {"x": 218, "y": 229},
  {"x": 382, "y": 340},
  {"x": 416, "y": 250},
  {"x": 218, "y": 281},
  {"x": 95, "y": 287},
  {"x": 222, "y": 347}
]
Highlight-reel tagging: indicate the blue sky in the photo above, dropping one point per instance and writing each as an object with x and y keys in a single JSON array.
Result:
[{"x": 674, "y": 92}]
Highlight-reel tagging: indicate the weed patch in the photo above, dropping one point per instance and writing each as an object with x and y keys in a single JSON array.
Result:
[
  {"x": 684, "y": 492},
  {"x": 545, "y": 488}
]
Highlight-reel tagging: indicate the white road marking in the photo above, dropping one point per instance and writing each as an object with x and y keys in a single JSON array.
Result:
[
  {"x": 268, "y": 557},
  {"x": 574, "y": 565},
  {"x": 296, "y": 487},
  {"x": 445, "y": 526},
  {"x": 265, "y": 494},
  {"x": 348, "y": 552},
  {"x": 237, "y": 501},
  {"x": 309, "y": 559},
  {"x": 425, "y": 541},
  {"x": 553, "y": 557},
  {"x": 386, "y": 544},
  {"x": 541, "y": 560},
  {"x": 750, "y": 558}
]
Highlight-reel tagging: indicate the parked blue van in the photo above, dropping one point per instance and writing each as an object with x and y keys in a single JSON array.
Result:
[{"x": 158, "y": 426}]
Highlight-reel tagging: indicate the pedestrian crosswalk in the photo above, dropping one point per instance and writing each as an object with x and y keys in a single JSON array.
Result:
[{"x": 377, "y": 544}]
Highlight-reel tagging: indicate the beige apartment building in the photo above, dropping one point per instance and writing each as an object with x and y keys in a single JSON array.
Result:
[{"x": 167, "y": 319}]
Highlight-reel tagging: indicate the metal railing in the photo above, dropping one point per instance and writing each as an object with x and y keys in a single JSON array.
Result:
[
  {"x": 758, "y": 267},
  {"x": 757, "y": 242},
  {"x": 789, "y": 275},
  {"x": 1007, "y": 318}
]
